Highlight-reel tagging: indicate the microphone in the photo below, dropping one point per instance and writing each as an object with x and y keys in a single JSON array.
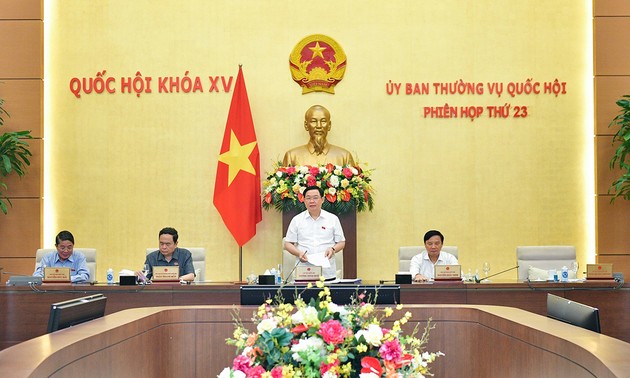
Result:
[
  {"x": 477, "y": 280},
  {"x": 16, "y": 274},
  {"x": 286, "y": 280}
]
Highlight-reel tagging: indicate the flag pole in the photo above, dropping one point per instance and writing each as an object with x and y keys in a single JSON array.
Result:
[{"x": 240, "y": 263}]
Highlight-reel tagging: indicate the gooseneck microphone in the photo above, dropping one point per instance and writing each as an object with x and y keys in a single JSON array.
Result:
[
  {"x": 478, "y": 280},
  {"x": 286, "y": 280}
]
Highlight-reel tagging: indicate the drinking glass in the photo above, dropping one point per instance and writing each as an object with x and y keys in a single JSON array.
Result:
[
  {"x": 575, "y": 266},
  {"x": 486, "y": 270},
  {"x": 145, "y": 271}
]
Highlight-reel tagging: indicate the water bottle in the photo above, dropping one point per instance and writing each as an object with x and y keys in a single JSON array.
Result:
[
  {"x": 110, "y": 276},
  {"x": 565, "y": 274},
  {"x": 279, "y": 275}
]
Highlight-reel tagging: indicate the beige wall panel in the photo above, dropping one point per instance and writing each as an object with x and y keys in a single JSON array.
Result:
[
  {"x": 24, "y": 101},
  {"x": 30, "y": 185},
  {"x": 605, "y": 176},
  {"x": 20, "y": 230},
  {"x": 607, "y": 91},
  {"x": 611, "y": 8},
  {"x": 612, "y": 226},
  {"x": 22, "y": 46},
  {"x": 21, "y": 9},
  {"x": 19, "y": 265},
  {"x": 611, "y": 55},
  {"x": 621, "y": 263}
]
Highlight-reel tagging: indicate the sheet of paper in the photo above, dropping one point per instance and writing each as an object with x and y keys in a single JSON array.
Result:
[{"x": 319, "y": 259}]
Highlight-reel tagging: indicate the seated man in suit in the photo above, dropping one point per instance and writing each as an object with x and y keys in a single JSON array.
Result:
[
  {"x": 65, "y": 257},
  {"x": 170, "y": 255},
  {"x": 422, "y": 264}
]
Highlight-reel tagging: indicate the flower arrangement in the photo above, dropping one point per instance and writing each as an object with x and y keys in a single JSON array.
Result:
[
  {"x": 345, "y": 187},
  {"x": 322, "y": 339}
]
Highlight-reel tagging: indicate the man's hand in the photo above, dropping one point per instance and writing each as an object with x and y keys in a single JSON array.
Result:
[{"x": 420, "y": 278}]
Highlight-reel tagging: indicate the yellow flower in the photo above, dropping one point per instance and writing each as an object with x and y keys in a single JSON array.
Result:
[
  {"x": 345, "y": 369},
  {"x": 388, "y": 311},
  {"x": 362, "y": 348},
  {"x": 366, "y": 309},
  {"x": 332, "y": 358},
  {"x": 399, "y": 306},
  {"x": 320, "y": 283}
]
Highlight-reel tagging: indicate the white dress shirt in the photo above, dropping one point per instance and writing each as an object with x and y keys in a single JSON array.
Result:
[
  {"x": 421, "y": 264},
  {"x": 316, "y": 236}
]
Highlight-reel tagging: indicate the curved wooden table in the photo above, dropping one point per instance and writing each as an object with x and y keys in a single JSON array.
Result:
[{"x": 189, "y": 341}]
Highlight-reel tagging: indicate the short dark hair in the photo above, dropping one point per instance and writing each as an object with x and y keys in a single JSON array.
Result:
[
  {"x": 314, "y": 187},
  {"x": 169, "y": 231},
  {"x": 64, "y": 235},
  {"x": 432, "y": 233}
]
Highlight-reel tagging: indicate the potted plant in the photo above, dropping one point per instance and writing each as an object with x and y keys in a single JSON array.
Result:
[{"x": 14, "y": 156}]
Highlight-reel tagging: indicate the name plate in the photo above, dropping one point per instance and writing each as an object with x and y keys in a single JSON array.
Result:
[
  {"x": 56, "y": 274},
  {"x": 599, "y": 271},
  {"x": 448, "y": 272},
  {"x": 308, "y": 273},
  {"x": 165, "y": 273}
]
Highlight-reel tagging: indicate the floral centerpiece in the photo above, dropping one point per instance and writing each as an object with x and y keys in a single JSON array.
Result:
[
  {"x": 322, "y": 339},
  {"x": 345, "y": 187}
]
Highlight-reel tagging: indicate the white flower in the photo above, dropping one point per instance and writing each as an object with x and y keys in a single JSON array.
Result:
[
  {"x": 306, "y": 315},
  {"x": 228, "y": 373},
  {"x": 334, "y": 181},
  {"x": 311, "y": 343},
  {"x": 354, "y": 171},
  {"x": 332, "y": 191},
  {"x": 329, "y": 374},
  {"x": 333, "y": 307},
  {"x": 368, "y": 375},
  {"x": 373, "y": 334},
  {"x": 279, "y": 173},
  {"x": 266, "y": 325},
  {"x": 303, "y": 169}
]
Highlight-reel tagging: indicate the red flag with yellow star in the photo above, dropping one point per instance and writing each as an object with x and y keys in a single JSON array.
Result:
[{"x": 237, "y": 186}]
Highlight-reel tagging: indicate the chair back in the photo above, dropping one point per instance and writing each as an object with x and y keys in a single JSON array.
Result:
[
  {"x": 289, "y": 261},
  {"x": 199, "y": 261},
  {"x": 543, "y": 257},
  {"x": 405, "y": 254},
  {"x": 89, "y": 253}
]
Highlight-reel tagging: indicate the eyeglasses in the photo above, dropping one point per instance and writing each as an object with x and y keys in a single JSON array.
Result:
[{"x": 309, "y": 199}]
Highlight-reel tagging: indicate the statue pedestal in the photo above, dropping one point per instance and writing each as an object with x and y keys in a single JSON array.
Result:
[{"x": 349, "y": 225}]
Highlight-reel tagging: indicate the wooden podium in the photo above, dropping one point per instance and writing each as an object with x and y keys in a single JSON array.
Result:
[{"x": 349, "y": 224}]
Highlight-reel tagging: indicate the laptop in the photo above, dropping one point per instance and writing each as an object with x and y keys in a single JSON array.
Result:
[
  {"x": 24, "y": 281},
  {"x": 447, "y": 273},
  {"x": 165, "y": 274}
]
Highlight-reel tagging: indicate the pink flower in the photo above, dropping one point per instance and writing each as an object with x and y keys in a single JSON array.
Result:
[
  {"x": 310, "y": 180},
  {"x": 313, "y": 171},
  {"x": 332, "y": 332},
  {"x": 241, "y": 363},
  {"x": 290, "y": 171},
  {"x": 347, "y": 172},
  {"x": 256, "y": 372},
  {"x": 276, "y": 372},
  {"x": 391, "y": 351}
]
